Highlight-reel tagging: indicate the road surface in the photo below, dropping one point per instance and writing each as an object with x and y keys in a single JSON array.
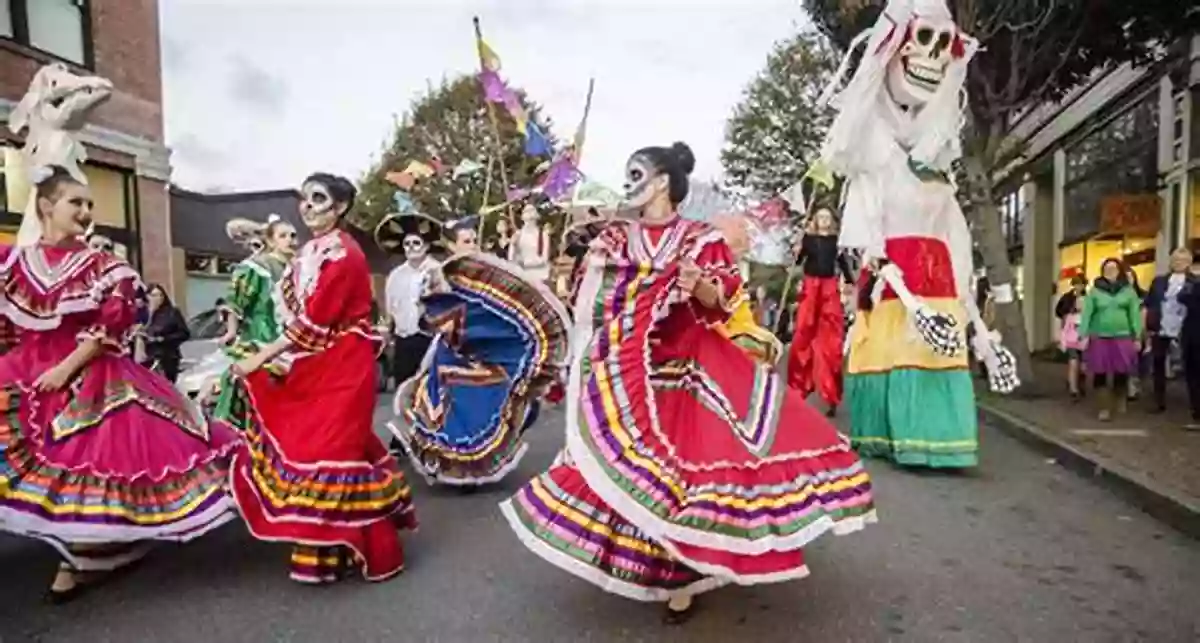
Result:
[{"x": 1020, "y": 550}]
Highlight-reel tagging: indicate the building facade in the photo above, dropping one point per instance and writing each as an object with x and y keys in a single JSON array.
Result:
[
  {"x": 203, "y": 257},
  {"x": 1110, "y": 171},
  {"x": 129, "y": 164}
]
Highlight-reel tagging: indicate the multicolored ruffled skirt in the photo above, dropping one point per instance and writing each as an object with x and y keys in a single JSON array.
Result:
[
  {"x": 688, "y": 464},
  {"x": 312, "y": 472},
  {"x": 119, "y": 459},
  {"x": 501, "y": 340},
  {"x": 908, "y": 404}
]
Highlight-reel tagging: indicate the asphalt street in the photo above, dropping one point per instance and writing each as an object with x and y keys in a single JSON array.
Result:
[{"x": 1020, "y": 550}]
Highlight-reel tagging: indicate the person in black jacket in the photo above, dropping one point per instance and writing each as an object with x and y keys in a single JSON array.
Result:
[
  {"x": 1164, "y": 319},
  {"x": 1189, "y": 340},
  {"x": 164, "y": 333}
]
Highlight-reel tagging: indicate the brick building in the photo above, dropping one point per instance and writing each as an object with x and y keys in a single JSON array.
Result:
[{"x": 129, "y": 165}]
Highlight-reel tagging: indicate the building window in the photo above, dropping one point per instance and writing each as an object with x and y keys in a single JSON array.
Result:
[
  {"x": 58, "y": 27},
  {"x": 201, "y": 264}
]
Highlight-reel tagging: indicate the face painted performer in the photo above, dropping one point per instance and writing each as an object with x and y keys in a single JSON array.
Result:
[
  {"x": 250, "y": 321},
  {"x": 894, "y": 138},
  {"x": 415, "y": 235},
  {"x": 658, "y": 399},
  {"x": 312, "y": 471},
  {"x": 94, "y": 479},
  {"x": 742, "y": 328},
  {"x": 817, "y": 349},
  {"x": 501, "y": 338}
]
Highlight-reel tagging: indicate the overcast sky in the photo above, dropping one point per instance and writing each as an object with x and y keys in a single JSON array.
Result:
[{"x": 261, "y": 92}]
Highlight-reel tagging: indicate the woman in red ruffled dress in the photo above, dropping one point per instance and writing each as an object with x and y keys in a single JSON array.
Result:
[
  {"x": 688, "y": 464},
  {"x": 313, "y": 473},
  {"x": 98, "y": 455}
]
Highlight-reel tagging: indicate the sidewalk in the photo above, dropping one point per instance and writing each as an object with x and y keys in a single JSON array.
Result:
[{"x": 1149, "y": 459}]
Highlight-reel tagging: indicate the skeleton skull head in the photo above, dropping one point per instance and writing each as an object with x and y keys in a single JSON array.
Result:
[
  {"x": 58, "y": 99},
  {"x": 916, "y": 71}
]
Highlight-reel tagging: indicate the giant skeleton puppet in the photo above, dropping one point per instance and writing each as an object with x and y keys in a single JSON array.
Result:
[
  {"x": 52, "y": 113},
  {"x": 894, "y": 138}
]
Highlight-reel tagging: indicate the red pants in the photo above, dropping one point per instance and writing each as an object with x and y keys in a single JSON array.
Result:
[{"x": 815, "y": 357}]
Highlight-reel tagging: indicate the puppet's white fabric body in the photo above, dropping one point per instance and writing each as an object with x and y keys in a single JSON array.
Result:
[{"x": 895, "y": 136}]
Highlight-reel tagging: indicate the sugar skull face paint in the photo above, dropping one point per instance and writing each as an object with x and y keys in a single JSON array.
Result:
[
  {"x": 642, "y": 182},
  {"x": 415, "y": 248},
  {"x": 317, "y": 207}
]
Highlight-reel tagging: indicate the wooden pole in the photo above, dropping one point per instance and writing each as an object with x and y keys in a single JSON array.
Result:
[
  {"x": 487, "y": 188},
  {"x": 491, "y": 110}
]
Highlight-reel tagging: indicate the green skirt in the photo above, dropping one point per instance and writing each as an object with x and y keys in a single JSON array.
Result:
[{"x": 915, "y": 417}]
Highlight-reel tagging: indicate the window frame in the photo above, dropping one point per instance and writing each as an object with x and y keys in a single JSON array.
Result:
[{"x": 19, "y": 10}]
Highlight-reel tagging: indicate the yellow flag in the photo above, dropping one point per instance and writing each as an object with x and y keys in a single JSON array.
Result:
[
  {"x": 488, "y": 57},
  {"x": 419, "y": 170}
]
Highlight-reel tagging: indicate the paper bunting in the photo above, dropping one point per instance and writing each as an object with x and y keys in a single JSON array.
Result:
[
  {"x": 419, "y": 170},
  {"x": 403, "y": 202},
  {"x": 466, "y": 168},
  {"x": 402, "y": 180}
]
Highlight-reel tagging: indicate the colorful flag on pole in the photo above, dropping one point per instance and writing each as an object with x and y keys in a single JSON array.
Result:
[
  {"x": 466, "y": 168},
  {"x": 487, "y": 57},
  {"x": 536, "y": 143}
]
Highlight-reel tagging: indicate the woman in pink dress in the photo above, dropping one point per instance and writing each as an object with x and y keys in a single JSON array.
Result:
[{"x": 98, "y": 455}]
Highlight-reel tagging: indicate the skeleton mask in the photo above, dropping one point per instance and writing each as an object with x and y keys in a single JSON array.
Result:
[
  {"x": 317, "y": 207},
  {"x": 415, "y": 248},
  {"x": 917, "y": 69},
  {"x": 643, "y": 182}
]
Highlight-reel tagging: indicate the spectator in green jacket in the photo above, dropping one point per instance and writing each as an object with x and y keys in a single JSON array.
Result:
[{"x": 1110, "y": 328}]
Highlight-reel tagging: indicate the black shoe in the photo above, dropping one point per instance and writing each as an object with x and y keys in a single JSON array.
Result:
[{"x": 832, "y": 412}]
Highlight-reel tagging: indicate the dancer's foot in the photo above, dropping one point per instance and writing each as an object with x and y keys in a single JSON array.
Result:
[
  {"x": 832, "y": 412},
  {"x": 70, "y": 583},
  {"x": 679, "y": 610}
]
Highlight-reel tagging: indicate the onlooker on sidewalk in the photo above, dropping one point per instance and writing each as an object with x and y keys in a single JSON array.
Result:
[
  {"x": 1189, "y": 340},
  {"x": 1068, "y": 310},
  {"x": 1164, "y": 320},
  {"x": 1110, "y": 325},
  {"x": 1134, "y": 389}
]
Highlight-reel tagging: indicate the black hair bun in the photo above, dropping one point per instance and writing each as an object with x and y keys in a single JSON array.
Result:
[{"x": 684, "y": 158}]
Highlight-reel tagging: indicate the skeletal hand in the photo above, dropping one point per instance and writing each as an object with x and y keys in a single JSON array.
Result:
[
  {"x": 938, "y": 330},
  {"x": 1001, "y": 363}
]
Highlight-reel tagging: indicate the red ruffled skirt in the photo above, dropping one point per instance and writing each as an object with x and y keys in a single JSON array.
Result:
[
  {"x": 688, "y": 465},
  {"x": 312, "y": 471}
]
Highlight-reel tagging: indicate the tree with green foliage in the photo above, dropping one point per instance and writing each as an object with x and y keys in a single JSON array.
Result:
[
  {"x": 1033, "y": 52},
  {"x": 451, "y": 123},
  {"x": 777, "y": 128}
]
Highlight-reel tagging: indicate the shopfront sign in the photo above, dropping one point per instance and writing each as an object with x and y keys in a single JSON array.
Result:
[{"x": 1131, "y": 214}]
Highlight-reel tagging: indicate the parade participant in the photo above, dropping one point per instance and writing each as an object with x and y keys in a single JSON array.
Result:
[
  {"x": 742, "y": 328},
  {"x": 417, "y": 235},
  {"x": 815, "y": 356},
  {"x": 98, "y": 455},
  {"x": 530, "y": 247},
  {"x": 688, "y": 464},
  {"x": 894, "y": 137},
  {"x": 250, "y": 321},
  {"x": 312, "y": 471},
  {"x": 501, "y": 339}
]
